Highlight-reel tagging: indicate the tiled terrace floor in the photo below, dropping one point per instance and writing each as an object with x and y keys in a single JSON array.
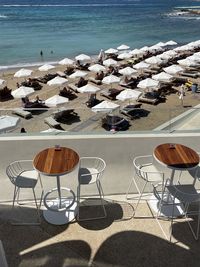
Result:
[{"x": 119, "y": 240}]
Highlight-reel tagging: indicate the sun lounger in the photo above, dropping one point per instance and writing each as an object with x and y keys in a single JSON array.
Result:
[
  {"x": 134, "y": 113},
  {"x": 22, "y": 113},
  {"x": 51, "y": 122},
  {"x": 93, "y": 80},
  {"x": 147, "y": 100},
  {"x": 190, "y": 74},
  {"x": 73, "y": 87},
  {"x": 115, "y": 122}
]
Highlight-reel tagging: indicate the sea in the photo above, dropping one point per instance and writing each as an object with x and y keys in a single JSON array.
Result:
[{"x": 66, "y": 28}]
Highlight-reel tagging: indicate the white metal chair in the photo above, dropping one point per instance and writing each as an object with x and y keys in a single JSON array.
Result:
[
  {"x": 185, "y": 196},
  {"x": 91, "y": 170},
  {"x": 23, "y": 176},
  {"x": 146, "y": 171}
]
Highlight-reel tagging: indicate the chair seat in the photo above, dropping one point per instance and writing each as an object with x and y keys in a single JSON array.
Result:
[
  {"x": 185, "y": 193},
  {"x": 90, "y": 176},
  {"x": 27, "y": 179},
  {"x": 155, "y": 176}
]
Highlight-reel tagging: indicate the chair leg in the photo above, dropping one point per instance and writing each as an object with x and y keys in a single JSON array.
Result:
[
  {"x": 130, "y": 185},
  {"x": 14, "y": 196},
  {"x": 140, "y": 198},
  {"x": 78, "y": 201},
  {"x": 99, "y": 187}
]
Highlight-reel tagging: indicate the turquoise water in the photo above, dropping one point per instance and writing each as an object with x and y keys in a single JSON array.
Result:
[{"x": 66, "y": 28}]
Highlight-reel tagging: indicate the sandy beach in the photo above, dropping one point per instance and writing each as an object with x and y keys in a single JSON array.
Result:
[{"x": 87, "y": 120}]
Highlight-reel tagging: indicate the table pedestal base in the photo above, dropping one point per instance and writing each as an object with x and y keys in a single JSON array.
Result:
[
  {"x": 166, "y": 209},
  {"x": 60, "y": 217}
]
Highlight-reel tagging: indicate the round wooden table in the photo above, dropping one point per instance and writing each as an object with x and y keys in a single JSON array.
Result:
[{"x": 57, "y": 161}]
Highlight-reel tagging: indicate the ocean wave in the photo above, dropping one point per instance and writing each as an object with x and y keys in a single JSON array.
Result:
[
  {"x": 68, "y": 5},
  {"x": 3, "y": 16},
  {"x": 22, "y": 65}
]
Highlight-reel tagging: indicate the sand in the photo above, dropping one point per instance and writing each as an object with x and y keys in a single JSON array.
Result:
[{"x": 87, "y": 120}]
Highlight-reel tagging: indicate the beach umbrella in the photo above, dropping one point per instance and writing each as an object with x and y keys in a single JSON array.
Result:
[
  {"x": 52, "y": 130},
  {"x": 194, "y": 57},
  {"x": 161, "y": 44},
  {"x": 144, "y": 49},
  {"x": 22, "y": 92},
  {"x": 56, "y": 100},
  {"x": 97, "y": 68},
  {"x": 109, "y": 62},
  {"x": 124, "y": 56},
  {"x": 123, "y": 47},
  {"x": 155, "y": 48},
  {"x": 170, "y": 53},
  {"x": 148, "y": 84},
  {"x": 57, "y": 81},
  {"x": 66, "y": 61},
  {"x": 111, "y": 51},
  {"x": 46, "y": 67},
  {"x": 164, "y": 57},
  {"x": 173, "y": 69},
  {"x": 8, "y": 123},
  {"x": 163, "y": 77},
  {"x": 171, "y": 42},
  {"x": 127, "y": 71},
  {"x": 105, "y": 106},
  {"x": 88, "y": 88},
  {"x": 187, "y": 63},
  {"x": 153, "y": 60},
  {"x": 141, "y": 65},
  {"x": 78, "y": 74},
  {"x": 136, "y": 52},
  {"x": 23, "y": 73},
  {"x": 111, "y": 79},
  {"x": 129, "y": 94},
  {"x": 83, "y": 57}
]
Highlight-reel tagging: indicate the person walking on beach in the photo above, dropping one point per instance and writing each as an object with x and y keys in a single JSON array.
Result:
[
  {"x": 182, "y": 93},
  {"x": 41, "y": 53}
]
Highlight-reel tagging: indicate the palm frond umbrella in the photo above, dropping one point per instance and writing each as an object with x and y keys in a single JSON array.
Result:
[
  {"x": 163, "y": 77},
  {"x": 23, "y": 73},
  {"x": 129, "y": 94},
  {"x": 128, "y": 71},
  {"x": 22, "y": 92},
  {"x": 78, "y": 74},
  {"x": 111, "y": 79},
  {"x": 105, "y": 106},
  {"x": 56, "y": 100},
  {"x": 66, "y": 61},
  {"x": 46, "y": 67},
  {"x": 109, "y": 62},
  {"x": 57, "y": 81},
  {"x": 8, "y": 123},
  {"x": 148, "y": 84},
  {"x": 123, "y": 47},
  {"x": 97, "y": 68},
  {"x": 173, "y": 69},
  {"x": 124, "y": 55}
]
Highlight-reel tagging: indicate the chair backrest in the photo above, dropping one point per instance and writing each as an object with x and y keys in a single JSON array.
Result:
[
  {"x": 15, "y": 168},
  {"x": 93, "y": 163},
  {"x": 142, "y": 161}
]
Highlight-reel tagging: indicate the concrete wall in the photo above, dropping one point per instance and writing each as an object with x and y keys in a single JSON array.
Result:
[{"x": 117, "y": 150}]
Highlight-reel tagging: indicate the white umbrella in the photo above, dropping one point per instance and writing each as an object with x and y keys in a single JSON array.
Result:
[
  {"x": 163, "y": 77},
  {"x": 66, "y": 61},
  {"x": 171, "y": 42},
  {"x": 78, "y": 74},
  {"x": 136, "y": 52},
  {"x": 22, "y": 91},
  {"x": 111, "y": 51},
  {"x": 46, "y": 67},
  {"x": 97, "y": 68},
  {"x": 187, "y": 62},
  {"x": 127, "y": 71},
  {"x": 8, "y": 123},
  {"x": 52, "y": 130},
  {"x": 153, "y": 60},
  {"x": 83, "y": 57},
  {"x": 144, "y": 49},
  {"x": 88, "y": 88},
  {"x": 109, "y": 62},
  {"x": 155, "y": 48},
  {"x": 105, "y": 106},
  {"x": 148, "y": 83},
  {"x": 173, "y": 69},
  {"x": 141, "y": 65},
  {"x": 161, "y": 44},
  {"x": 23, "y": 73},
  {"x": 164, "y": 57},
  {"x": 124, "y": 56},
  {"x": 128, "y": 94},
  {"x": 194, "y": 57},
  {"x": 123, "y": 47},
  {"x": 57, "y": 81},
  {"x": 111, "y": 79},
  {"x": 170, "y": 53},
  {"x": 56, "y": 100}
]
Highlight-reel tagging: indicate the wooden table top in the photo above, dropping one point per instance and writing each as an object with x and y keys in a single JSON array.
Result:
[
  {"x": 56, "y": 161},
  {"x": 177, "y": 156}
]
